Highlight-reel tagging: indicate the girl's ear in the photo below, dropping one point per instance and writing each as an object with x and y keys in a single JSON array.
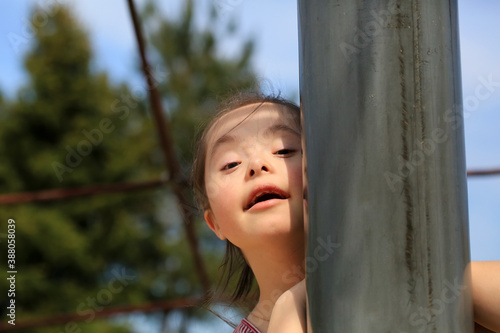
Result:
[{"x": 212, "y": 224}]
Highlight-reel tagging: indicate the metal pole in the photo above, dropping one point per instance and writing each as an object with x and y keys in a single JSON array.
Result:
[{"x": 388, "y": 233}]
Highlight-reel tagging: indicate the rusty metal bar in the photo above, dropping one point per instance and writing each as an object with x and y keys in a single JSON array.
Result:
[
  {"x": 490, "y": 172},
  {"x": 71, "y": 319},
  {"x": 75, "y": 192},
  {"x": 166, "y": 142}
]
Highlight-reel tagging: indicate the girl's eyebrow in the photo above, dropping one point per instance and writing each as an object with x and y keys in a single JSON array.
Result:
[
  {"x": 280, "y": 128},
  {"x": 271, "y": 130},
  {"x": 221, "y": 141}
]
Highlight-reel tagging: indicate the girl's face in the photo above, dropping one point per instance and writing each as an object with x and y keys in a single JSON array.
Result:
[{"x": 253, "y": 177}]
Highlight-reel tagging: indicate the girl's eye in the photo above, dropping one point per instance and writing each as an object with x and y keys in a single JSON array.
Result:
[
  {"x": 230, "y": 166},
  {"x": 284, "y": 151}
]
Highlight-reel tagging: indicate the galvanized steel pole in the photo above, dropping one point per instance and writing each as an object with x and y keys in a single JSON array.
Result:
[{"x": 388, "y": 233}]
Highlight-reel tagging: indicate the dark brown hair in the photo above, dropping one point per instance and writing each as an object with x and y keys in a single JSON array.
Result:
[{"x": 234, "y": 260}]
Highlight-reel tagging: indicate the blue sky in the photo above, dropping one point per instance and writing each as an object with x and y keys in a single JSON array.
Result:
[{"x": 274, "y": 26}]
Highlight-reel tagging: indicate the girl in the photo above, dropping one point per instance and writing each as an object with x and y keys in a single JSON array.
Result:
[{"x": 248, "y": 179}]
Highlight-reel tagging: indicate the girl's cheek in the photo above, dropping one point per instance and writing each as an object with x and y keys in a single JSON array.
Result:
[
  {"x": 218, "y": 186},
  {"x": 298, "y": 173},
  {"x": 213, "y": 187}
]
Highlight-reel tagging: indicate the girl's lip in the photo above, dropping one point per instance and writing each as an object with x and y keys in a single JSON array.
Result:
[
  {"x": 265, "y": 204},
  {"x": 264, "y": 189}
]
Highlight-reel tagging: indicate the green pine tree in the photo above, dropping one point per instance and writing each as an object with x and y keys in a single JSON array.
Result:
[{"x": 70, "y": 127}]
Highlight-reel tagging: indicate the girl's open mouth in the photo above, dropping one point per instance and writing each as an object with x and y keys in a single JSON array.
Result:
[{"x": 265, "y": 196}]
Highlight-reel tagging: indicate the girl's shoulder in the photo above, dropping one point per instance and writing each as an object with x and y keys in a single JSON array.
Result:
[{"x": 246, "y": 327}]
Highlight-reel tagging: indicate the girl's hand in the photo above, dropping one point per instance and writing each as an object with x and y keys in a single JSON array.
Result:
[{"x": 289, "y": 312}]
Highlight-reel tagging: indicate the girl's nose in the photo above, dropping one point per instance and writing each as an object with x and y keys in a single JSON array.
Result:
[{"x": 258, "y": 166}]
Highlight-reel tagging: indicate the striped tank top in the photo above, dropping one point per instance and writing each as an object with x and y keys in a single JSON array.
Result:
[{"x": 246, "y": 327}]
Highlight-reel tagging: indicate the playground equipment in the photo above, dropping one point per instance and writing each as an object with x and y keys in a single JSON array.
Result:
[{"x": 382, "y": 105}]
